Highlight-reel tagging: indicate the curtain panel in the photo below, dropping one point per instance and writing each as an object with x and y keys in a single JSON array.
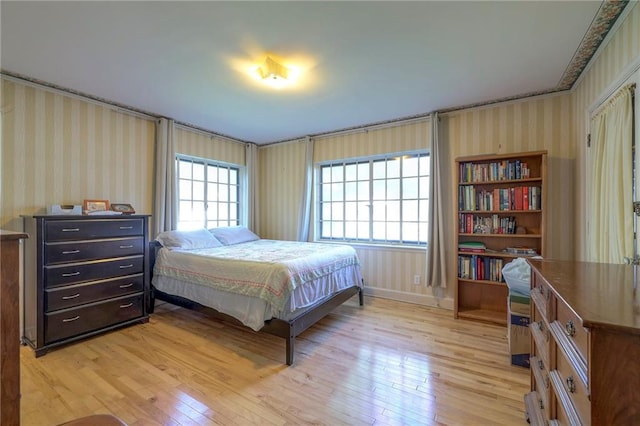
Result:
[
  {"x": 165, "y": 193},
  {"x": 436, "y": 265},
  {"x": 610, "y": 183}
]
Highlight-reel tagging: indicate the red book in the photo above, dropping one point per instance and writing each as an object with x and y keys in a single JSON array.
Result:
[
  {"x": 518, "y": 196},
  {"x": 525, "y": 198}
]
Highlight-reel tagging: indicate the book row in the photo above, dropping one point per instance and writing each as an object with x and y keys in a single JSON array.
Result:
[
  {"x": 473, "y": 224},
  {"x": 516, "y": 198},
  {"x": 480, "y": 268},
  {"x": 496, "y": 171}
]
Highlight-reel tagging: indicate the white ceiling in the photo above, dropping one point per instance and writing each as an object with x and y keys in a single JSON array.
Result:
[{"x": 364, "y": 62}]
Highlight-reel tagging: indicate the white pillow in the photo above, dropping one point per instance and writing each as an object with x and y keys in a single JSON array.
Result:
[
  {"x": 229, "y": 235},
  {"x": 188, "y": 240}
]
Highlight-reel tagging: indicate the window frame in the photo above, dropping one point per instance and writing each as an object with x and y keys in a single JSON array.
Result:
[
  {"x": 421, "y": 222},
  {"x": 240, "y": 201}
]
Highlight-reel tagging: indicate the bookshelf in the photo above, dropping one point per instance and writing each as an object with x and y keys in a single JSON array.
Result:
[{"x": 500, "y": 217}]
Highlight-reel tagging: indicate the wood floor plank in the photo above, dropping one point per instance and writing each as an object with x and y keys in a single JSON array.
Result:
[{"x": 387, "y": 363}]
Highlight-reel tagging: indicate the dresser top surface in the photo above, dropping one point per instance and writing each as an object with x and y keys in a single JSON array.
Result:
[
  {"x": 601, "y": 295},
  {"x": 12, "y": 235}
]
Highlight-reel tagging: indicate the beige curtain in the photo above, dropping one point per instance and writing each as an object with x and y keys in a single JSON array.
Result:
[
  {"x": 436, "y": 269},
  {"x": 251, "y": 162},
  {"x": 610, "y": 219},
  {"x": 304, "y": 214},
  {"x": 165, "y": 203}
]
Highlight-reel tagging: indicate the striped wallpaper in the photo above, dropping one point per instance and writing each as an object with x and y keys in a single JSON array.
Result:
[
  {"x": 58, "y": 149},
  {"x": 621, "y": 53},
  {"x": 200, "y": 144}
]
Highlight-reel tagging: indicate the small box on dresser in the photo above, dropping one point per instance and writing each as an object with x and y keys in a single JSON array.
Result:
[{"x": 84, "y": 275}]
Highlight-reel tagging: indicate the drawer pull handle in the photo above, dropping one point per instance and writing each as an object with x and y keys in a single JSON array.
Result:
[
  {"x": 569, "y": 328},
  {"x": 71, "y": 251},
  {"x": 71, "y": 319},
  {"x": 540, "y": 364},
  {"x": 124, "y": 247},
  {"x": 126, "y": 227},
  {"x": 540, "y": 326},
  {"x": 71, "y": 274},
  {"x": 126, "y": 285},
  {"x": 571, "y": 384},
  {"x": 128, "y": 305},
  {"x": 70, "y": 229},
  {"x": 541, "y": 404},
  {"x": 126, "y": 266},
  {"x": 71, "y": 297}
]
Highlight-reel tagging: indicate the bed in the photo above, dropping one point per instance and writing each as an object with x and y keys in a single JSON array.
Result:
[{"x": 278, "y": 287}]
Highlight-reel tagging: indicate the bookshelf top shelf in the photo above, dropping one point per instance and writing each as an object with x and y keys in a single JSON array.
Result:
[{"x": 496, "y": 157}]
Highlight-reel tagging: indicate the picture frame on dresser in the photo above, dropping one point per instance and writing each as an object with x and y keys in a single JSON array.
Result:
[
  {"x": 83, "y": 275},
  {"x": 89, "y": 206}
]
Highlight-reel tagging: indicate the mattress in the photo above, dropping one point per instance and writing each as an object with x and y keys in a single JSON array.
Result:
[{"x": 258, "y": 280}]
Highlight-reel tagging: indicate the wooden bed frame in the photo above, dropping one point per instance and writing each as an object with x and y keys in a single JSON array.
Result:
[{"x": 288, "y": 330}]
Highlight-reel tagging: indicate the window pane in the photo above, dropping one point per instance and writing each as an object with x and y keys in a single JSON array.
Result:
[
  {"x": 410, "y": 231},
  {"x": 336, "y": 230},
  {"x": 379, "y": 190},
  {"x": 393, "y": 210},
  {"x": 363, "y": 190},
  {"x": 363, "y": 211},
  {"x": 393, "y": 231},
  {"x": 379, "y": 230},
  {"x": 379, "y": 171},
  {"x": 363, "y": 171},
  {"x": 212, "y": 212},
  {"x": 350, "y": 191},
  {"x": 198, "y": 171},
  {"x": 410, "y": 188},
  {"x": 393, "y": 168},
  {"x": 424, "y": 187},
  {"x": 337, "y": 173},
  {"x": 410, "y": 210},
  {"x": 351, "y": 230},
  {"x": 184, "y": 189},
  {"x": 212, "y": 192},
  {"x": 223, "y": 175},
  {"x": 351, "y": 211},
  {"x": 198, "y": 190},
  {"x": 233, "y": 176},
  {"x": 337, "y": 211},
  {"x": 233, "y": 212},
  {"x": 425, "y": 165},
  {"x": 325, "y": 229},
  {"x": 410, "y": 166},
  {"x": 184, "y": 169},
  {"x": 363, "y": 230},
  {"x": 337, "y": 192},
  {"x": 325, "y": 172},
  {"x": 423, "y": 231},
  {"x": 393, "y": 189},
  {"x": 184, "y": 210},
  {"x": 233, "y": 194},
  {"x": 326, "y": 192},
  {"x": 223, "y": 211},
  {"x": 350, "y": 172},
  {"x": 379, "y": 211},
  {"x": 223, "y": 193},
  {"x": 197, "y": 211},
  {"x": 423, "y": 205},
  {"x": 326, "y": 211}
]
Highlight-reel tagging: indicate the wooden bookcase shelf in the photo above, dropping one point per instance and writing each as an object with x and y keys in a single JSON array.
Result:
[{"x": 501, "y": 204}]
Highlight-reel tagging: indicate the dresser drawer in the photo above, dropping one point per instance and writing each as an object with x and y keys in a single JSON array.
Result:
[
  {"x": 565, "y": 410},
  {"x": 541, "y": 295},
  {"x": 73, "y": 295},
  {"x": 541, "y": 335},
  {"x": 89, "y": 271},
  {"x": 77, "y": 251},
  {"x": 573, "y": 329},
  {"x": 65, "y": 230},
  {"x": 87, "y": 318},
  {"x": 574, "y": 387}
]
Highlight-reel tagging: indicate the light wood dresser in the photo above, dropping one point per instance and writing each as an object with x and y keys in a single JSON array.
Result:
[{"x": 585, "y": 344}]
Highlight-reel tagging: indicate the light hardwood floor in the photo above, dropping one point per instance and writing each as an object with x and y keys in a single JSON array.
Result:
[{"x": 386, "y": 363}]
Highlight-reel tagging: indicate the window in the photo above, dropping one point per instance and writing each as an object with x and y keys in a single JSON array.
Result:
[
  {"x": 375, "y": 200},
  {"x": 208, "y": 193}
]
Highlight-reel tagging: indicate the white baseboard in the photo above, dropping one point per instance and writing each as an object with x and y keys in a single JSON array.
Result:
[{"x": 419, "y": 299}]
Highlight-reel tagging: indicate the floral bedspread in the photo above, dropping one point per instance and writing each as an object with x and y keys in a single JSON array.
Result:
[{"x": 267, "y": 269}]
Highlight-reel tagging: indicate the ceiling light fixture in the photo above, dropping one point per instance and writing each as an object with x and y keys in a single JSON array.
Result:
[{"x": 273, "y": 70}]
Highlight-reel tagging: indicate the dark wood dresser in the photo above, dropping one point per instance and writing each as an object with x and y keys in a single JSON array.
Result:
[
  {"x": 83, "y": 275},
  {"x": 10, "y": 327},
  {"x": 585, "y": 344}
]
